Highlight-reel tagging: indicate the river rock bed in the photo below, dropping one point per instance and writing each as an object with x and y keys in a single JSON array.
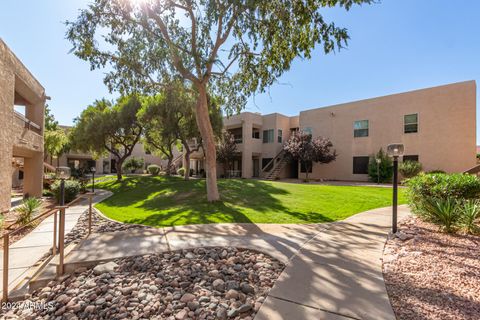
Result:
[
  {"x": 99, "y": 225},
  {"x": 204, "y": 283}
]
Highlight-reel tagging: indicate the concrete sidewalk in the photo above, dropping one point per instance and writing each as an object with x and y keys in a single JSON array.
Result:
[
  {"x": 337, "y": 274},
  {"x": 334, "y": 270},
  {"x": 26, "y": 252}
]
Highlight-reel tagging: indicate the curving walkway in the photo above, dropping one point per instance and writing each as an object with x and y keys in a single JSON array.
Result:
[
  {"x": 334, "y": 271},
  {"x": 26, "y": 252}
]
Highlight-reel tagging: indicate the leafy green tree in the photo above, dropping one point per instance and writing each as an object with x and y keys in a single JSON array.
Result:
[
  {"x": 158, "y": 136},
  {"x": 50, "y": 122},
  {"x": 171, "y": 115},
  {"x": 234, "y": 48},
  {"x": 56, "y": 143},
  {"x": 385, "y": 167},
  {"x": 106, "y": 127}
]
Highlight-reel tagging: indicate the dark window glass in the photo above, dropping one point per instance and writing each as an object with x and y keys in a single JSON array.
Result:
[
  {"x": 303, "y": 168},
  {"x": 279, "y": 138},
  {"x": 360, "y": 165},
  {"x": 256, "y": 134},
  {"x": 20, "y": 175},
  {"x": 265, "y": 161},
  {"x": 360, "y": 128},
  {"x": 410, "y": 158},
  {"x": 411, "y": 123}
]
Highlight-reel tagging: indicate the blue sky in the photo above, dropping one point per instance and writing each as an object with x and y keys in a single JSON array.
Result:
[{"x": 395, "y": 46}]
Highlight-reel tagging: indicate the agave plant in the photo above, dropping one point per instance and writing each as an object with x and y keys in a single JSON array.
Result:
[
  {"x": 444, "y": 212},
  {"x": 470, "y": 212},
  {"x": 26, "y": 209}
]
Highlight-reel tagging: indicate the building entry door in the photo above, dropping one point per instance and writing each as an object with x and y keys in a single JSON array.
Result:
[{"x": 256, "y": 168}]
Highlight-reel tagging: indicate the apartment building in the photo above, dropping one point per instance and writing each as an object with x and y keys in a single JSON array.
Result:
[
  {"x": 22, "y": 108},
  {"x": 436, "y": 125}
]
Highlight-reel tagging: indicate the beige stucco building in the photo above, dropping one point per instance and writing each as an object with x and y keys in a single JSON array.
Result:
[
  {"x": 21, "y": 133},
  {"x": 436, "y": 125}
]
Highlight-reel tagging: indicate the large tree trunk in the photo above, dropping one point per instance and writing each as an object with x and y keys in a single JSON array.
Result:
[
  {"x": 169, "y": 166},
  {"x": 58, "y": 161},
  {"x": 119, "y": 169},
  {"x": 206, "y": 131},
  {"x": 186, "y": 155}
]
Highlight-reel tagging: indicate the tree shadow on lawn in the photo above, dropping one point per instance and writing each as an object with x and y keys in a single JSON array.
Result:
[{"x": 172, "y": 201}]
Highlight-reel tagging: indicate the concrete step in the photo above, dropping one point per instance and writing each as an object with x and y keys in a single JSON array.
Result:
[{"x": 48, "y": 272}]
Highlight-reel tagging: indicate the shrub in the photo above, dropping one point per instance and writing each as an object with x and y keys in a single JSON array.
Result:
[
  {"x": 181, "y": 171},
  {"x": 26, "y": 210},
  {"x": 72, "y": 188},
  {"x": 443, "y": 212},
  {"x": 431, "y": 197},
  {"x": 440, "y": 185},
  {"x": 469, "y": 213},
  {"x": 133, "y": 164},
  {"x": 435, "y": 171},
  {"x": 153, "y": 169},
  {"x": 409, "y": 169},
  {"x": 385, "y": 168}
]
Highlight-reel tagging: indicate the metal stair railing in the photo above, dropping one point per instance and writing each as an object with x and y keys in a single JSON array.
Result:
[{"x": 270, "y": 166}]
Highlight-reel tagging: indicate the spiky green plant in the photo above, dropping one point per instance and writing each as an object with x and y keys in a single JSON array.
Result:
[
  {"x": 443, "y": 211},
  {"x": 469, "y": 214},
  {"x": 26, "y": 209}
]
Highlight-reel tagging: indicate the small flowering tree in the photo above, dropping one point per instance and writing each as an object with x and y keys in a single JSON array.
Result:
[
  {"x": 302, "y": 147},
  {"x": 226, "y": 151}
]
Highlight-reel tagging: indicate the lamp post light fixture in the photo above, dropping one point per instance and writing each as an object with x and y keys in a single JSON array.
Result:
[
  {"x": 62, "y": 173},
  {"x": 93, "y": 170},
  {"x": 395, "y": 150},
  {"x": 378, "y": 161}
]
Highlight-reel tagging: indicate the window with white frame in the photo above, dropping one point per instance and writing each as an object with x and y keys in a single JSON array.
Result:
[
  {"x": 410, "y": 123},
  {"x": 360, "y": 128},
  {"x": 268, "y": 136},
  {"x": 279, "y": 136}
]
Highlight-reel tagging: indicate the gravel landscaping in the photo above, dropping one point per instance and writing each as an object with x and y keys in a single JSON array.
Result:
[
  {"x": 99, "y": 225},
  {"x": 204, "y": 283},
  {"x": 432, "y": 275}
]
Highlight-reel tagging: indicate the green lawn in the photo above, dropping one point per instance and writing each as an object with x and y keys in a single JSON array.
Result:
[{"x": 163, "y": 201}]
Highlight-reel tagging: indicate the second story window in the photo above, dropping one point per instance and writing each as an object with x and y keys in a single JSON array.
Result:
[
  {"x": 279, "y": 136},
  {"x": 307, "y": 130},
  {"x": 360, "y": 128},
  {"x": 268, "y": 136},
  {"x": 255, "y": 134},
  {"x": 410, "y": 123}
]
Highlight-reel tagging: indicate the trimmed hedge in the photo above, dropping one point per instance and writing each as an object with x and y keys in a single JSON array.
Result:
[
  {"x": 72, "y": 189},
  {"x": 153, "y": 169}
]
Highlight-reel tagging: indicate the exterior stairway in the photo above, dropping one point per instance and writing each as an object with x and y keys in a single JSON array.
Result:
[
  {"x": 177, "y": 162},
  {"x": 273, "y": 169},
  {"x": 475, "y": 170}
]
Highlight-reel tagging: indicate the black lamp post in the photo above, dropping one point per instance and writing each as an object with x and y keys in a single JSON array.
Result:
[
  {"x": 377, "y": 160},
  {"x": 62, "y": 173},
  {"x": 395, "y": 150},
  {"x": 93, "y": 170}
]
